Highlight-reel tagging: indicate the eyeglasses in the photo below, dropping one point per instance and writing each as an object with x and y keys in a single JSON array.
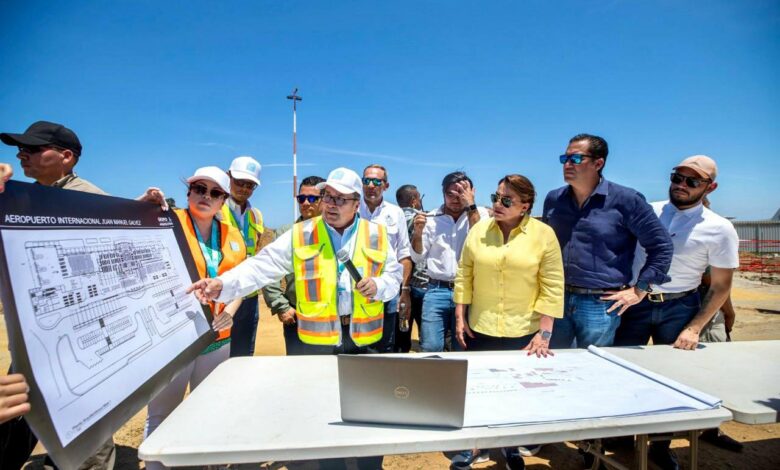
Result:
[
  {"x": 373, "y": 181},
  {"x": 690, "y": 181},
  {"x": 575, "y": 158},
  {"x": 246, "y": 184},
  {"x": 506, "y": 201},
  {"x": 201, "y": 190},
  {"x": 337, "y": 200},
  {"x": 304, "y": 197}
]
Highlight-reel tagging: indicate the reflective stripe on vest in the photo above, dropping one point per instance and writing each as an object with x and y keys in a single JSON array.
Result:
[
  {"x": 233, "y": 253},
  {"x": 316, "y": 283}
]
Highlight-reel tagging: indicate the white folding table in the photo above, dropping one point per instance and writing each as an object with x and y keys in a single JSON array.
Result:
[
  {"x": 287, "y": 408},
  {"x": 744, "y": 374}
]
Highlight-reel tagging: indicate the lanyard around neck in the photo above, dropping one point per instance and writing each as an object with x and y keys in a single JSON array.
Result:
[{"x": 211, "y": 253}]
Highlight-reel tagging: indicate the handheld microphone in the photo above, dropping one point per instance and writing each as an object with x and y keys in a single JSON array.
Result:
[{"x": 343, "y": 256}]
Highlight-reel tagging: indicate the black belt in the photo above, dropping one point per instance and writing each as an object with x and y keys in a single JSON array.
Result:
[
  {"x": 585, "y": 290},
  {"x": 663, "y": 297},
  {"x": 445, "y": 284},
  {"x": 344, "y": 320}
]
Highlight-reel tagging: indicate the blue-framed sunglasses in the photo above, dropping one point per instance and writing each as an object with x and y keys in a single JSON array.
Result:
[{"x": 575, "y": 158}]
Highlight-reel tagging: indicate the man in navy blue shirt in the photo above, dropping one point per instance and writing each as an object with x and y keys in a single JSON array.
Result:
[{"x": 598, "y": 224}]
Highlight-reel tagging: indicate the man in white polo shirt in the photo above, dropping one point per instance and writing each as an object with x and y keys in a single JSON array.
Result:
[
  {"x": 673, "y": 313},
  {"x": 374, "y": 208},
  {"x": 437, "y": 242}
]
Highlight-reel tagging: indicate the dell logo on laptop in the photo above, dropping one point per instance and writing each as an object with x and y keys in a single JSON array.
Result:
[{"x": 401, "y": 392}]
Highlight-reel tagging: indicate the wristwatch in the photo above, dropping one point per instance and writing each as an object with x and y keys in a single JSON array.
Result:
[
  {"x": 546, "y": 334},
  {"x": 471, "y": 208}
]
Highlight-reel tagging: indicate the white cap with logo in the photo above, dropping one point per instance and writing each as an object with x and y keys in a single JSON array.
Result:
[
  {"x": 344, "y": 181},
  {"x": 245, "y": 168},
  {"x": 214, "y": 174}
]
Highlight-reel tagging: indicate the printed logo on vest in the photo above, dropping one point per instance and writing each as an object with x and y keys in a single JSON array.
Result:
[{"x": 234, "y": 246}]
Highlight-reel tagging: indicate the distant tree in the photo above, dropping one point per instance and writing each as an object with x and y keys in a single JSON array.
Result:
[{"x": 171, "y": 202}]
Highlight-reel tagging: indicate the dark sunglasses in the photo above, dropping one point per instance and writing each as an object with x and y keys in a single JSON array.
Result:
[
  {"x": 303, "y": 198},
  {"x": 246, "y": 184},
  {"x": 337, "y": 200},
  {"x": 575, "y": 158},
  {"x": 506, "y": 201},
  {"x": 201, "y": 190},
  {"x": 373, "y": 181},
  {"x": 36, "y": 148},
  {"x": 690, "y": 181}
]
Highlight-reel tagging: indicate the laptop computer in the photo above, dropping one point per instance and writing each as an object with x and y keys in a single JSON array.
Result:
[{"x": 403, "y": 390}]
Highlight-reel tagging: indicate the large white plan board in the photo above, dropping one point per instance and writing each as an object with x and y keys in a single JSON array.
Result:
[
  {"x": 103, "y": 311},
  {"x": 99, "y": 321}
]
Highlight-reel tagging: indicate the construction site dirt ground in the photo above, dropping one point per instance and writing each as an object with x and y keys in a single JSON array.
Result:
[{"x": 758, "y": 318}]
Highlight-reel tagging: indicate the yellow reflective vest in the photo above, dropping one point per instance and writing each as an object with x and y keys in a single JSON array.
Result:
[
  {"x": 316, "y": 271},
  {"x": 251, "y": 234}
]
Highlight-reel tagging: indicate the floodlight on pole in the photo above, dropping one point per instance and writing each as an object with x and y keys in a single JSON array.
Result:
[{"x": 295, "y": 98}]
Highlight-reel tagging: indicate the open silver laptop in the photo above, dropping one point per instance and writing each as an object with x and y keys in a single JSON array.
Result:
[{"x": 403, "y": 390}]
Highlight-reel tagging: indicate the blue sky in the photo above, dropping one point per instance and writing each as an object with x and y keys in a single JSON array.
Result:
[{"x": 157, "y": 89}]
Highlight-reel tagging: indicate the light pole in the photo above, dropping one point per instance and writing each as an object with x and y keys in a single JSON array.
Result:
[{"x": 295, "y": 98}]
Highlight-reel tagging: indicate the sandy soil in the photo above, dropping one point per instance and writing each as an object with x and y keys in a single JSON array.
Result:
[{"x": 758, "y": 318}]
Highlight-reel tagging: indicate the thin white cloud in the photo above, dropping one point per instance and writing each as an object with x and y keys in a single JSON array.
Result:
[
  {"x": 273, "y": 165},
  {"x": 379, "y": 156},
  {"x": 214, "y": 144}
]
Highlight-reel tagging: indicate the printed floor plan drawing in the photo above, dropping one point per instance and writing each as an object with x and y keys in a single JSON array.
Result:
[
  {"x": 101, "y": 312},
  {"x": 517, "y": 388}
]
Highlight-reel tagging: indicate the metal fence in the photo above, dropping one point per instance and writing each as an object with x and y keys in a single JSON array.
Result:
[{"x": 759, "y": 245}]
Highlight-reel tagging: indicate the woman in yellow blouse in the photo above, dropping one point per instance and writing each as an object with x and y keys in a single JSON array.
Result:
[{"x": 510, "y": 276}]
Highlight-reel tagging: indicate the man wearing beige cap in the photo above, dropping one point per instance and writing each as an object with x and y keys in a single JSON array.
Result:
[{"x": 673, "y": 313}]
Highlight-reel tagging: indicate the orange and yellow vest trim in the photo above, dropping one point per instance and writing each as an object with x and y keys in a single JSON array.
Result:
[
  {"x": 233, "y": 253},
  {"x": 315, "y": 267}
]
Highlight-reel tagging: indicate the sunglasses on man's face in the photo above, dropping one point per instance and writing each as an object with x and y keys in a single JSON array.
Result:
[
  {"x": 246, "y": 184},
  {"x": 201, "y": 190},
  {"x": 373, "y": 181},
  {"x": 575, "y": 158},
  {"x": 36, "y": 148},
  {"x": 506, "y": 201},
  {"x": 305, "y": 197},
  {"x": 690, "y": 181}
]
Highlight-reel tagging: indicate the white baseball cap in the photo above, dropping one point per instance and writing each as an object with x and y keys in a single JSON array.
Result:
[
  {"x": 344, "y": 181},
  {"x": 214, "y": 174},
  {"x": 246, "y": 168}
]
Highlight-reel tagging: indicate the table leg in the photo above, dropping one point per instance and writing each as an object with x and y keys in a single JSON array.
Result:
[
  {"x": 642, "y": 442},
  {"x": 693, "y": 440}
]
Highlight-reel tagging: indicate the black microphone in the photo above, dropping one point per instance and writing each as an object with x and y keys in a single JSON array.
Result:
[{"x": 343, "y": 256}]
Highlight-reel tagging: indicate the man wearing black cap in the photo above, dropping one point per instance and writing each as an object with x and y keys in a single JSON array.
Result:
[{"x": 48, "y": 152}]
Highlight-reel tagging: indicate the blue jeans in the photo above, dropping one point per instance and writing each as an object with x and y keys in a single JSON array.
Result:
[
  {"x": 438, "y": 318},
  {"x": 662, "y": 321},
  {"x": 586, "y": 320},
  {"x": 242, "y": 335}
]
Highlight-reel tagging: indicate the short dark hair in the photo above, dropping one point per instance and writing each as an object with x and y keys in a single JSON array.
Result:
[
  {"x": 522, "y": 186},
  {"x": 454, "y": 177},
  {"x": 376, "y": 165},
  {"x": 310, "y": 181},
  {"x": 597, "y": 146},
  {"x": 405, "y": 194}
]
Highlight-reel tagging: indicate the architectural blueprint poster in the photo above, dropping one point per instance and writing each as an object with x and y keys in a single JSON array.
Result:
[{"x": 98, "y": 318}]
